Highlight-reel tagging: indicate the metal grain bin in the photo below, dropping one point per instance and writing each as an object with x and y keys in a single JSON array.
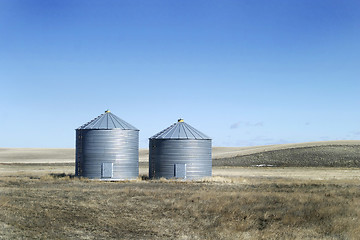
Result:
[
  {"x": 180, "y": 151},
  {"x": 107, "y": 148}
]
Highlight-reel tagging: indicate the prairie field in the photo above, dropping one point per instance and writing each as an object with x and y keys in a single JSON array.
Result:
[{"x": 41, "y": 199}]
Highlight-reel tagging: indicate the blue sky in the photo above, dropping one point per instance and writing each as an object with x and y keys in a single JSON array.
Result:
[{"x": 243, "y": 72}]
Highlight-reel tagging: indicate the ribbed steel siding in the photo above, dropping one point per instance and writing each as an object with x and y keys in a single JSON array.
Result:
[
  {"x": 165, "y": 153},
  {"x": 117, "y": 146}
]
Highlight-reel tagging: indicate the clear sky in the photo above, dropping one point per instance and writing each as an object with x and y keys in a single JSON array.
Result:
[{"x": 243, "y": 72}]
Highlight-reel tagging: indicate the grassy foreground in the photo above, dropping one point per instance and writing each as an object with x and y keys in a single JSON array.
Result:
[{"x": 60, "y": 207}]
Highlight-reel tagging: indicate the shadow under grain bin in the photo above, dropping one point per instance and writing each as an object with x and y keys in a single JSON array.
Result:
[
  {"x": 107, "y": 148},
  {"x": 180, "y": 151}
]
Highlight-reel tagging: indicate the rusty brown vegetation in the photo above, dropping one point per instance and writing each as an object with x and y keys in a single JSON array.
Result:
[
  {"x": 59, "y": 206},
  {"x": 41, "y": 199}
]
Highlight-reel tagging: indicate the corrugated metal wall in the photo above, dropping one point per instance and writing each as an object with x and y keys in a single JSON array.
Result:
[
  {"x": 94, "y": 147},
  {"x": 165, "y": 153}
]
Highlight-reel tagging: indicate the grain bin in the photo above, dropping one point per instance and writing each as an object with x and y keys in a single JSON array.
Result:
[
  {"x": 107, "y": 148},
  {"x": 180, "y": 151}
]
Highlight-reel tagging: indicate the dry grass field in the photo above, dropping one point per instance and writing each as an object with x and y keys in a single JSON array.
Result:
[{"x": 40, "y": 198}]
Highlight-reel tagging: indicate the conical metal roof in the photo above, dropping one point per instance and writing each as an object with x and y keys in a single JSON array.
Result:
[
  {"x": 108, "y": 120},
  {"x": 180, "y": 130}
]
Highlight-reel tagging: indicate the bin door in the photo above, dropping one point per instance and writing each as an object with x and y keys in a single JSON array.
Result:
[
  {"x": 180, "y": 171},
  {"x": 107, "y": 170}
]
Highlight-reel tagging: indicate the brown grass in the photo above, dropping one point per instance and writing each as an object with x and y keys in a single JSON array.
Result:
[
  {"x": 59, "y": 206},
  {"x": 38, "y": 201}
]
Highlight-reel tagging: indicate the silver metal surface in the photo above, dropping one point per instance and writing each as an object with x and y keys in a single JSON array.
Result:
[
  {"x": 98, "y": 149},
  {"x": 166, "y": 153},
  {"x": 107, "y": 170},
  {"x": 180, "y": 171},
  {"x": 108, "y": 120},
  {"x": 180, "y": 130}
]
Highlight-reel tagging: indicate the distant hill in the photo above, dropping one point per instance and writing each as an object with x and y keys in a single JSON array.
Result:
[
  {"x": 313, "y": 154},
  {"x": 37, "y": 155}
]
